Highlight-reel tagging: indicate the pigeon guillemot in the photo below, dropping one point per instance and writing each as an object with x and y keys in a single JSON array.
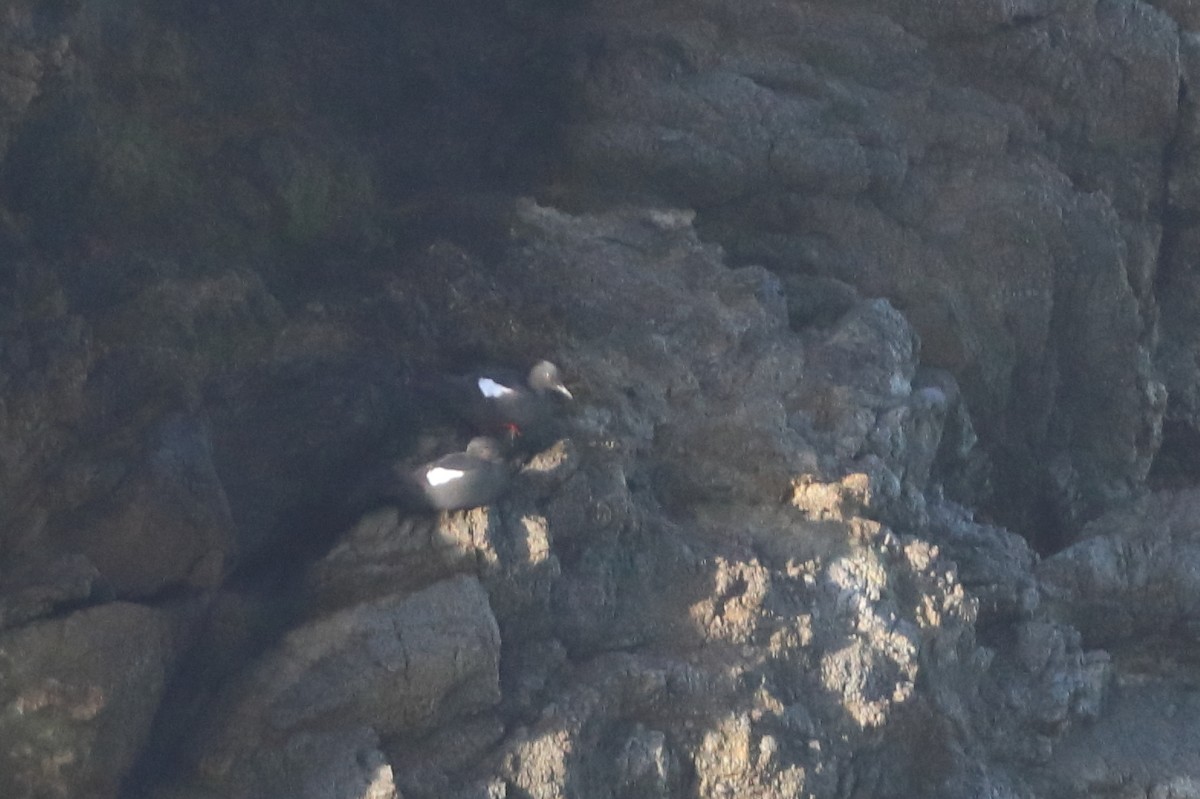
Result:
[
  {"x": 465, "y": 479},
  {"x": 456, "y": 481},
  {"x": 496, "y": 401}
]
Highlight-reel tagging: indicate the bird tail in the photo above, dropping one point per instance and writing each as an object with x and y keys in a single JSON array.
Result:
[{"x": 390, "y": 484}]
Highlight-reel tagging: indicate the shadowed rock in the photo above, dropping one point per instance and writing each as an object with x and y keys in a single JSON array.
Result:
[
  {"x": 80, "y": 693},
  {"x": 401, "y": 664}
]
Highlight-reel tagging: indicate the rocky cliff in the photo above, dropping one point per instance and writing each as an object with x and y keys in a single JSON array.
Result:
[{"x": 879, "y": 480}]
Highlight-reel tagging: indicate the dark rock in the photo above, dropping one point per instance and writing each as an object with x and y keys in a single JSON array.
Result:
[
  {"x": 1133, "y": 576},
  {"x": 82, "y": 691},
  {"x": 931, "y": 159},
  {"x": 31, "y": 589},
  {"x": 1178, "y": 286},
  {"x": 840, "y": 290},
  {"x": 318, "y": 765},
  {"x": 817, "y": 300},
  {"x": 171, "y": 503},
  {"x": 1141, "y": 743},
  {"x": 389, "y": 551},
  {"x": 291, "y": 439},
  {"x": 319, "y": 190},
  {"x": 425, "y": 764},
  {"x": 398, "y": 665},
  {"x": 1055, "y": 684},
  {"x": 34, "y": 48},
  {"x": 995, "y": 565},
  {"x": 46, "y": 368}
]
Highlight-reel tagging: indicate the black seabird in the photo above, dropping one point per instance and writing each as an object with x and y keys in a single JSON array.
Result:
[
  {"x": 463, "y": 480},
  {"x": 500, "y": 401},
  {"x": 456, "y": 481}
]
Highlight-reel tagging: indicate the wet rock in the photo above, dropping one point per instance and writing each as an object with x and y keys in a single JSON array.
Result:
[{"x": 79, "y": 694}]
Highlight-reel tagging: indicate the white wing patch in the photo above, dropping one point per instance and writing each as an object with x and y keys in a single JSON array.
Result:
[
  {"x": 491, "y": 389},
  {"x": 439, "y": 475}
]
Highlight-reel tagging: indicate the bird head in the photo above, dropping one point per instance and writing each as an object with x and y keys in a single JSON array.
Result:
[{"x": 544, "y": 377}]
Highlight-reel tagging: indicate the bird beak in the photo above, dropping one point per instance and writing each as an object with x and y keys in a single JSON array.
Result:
[{"x": 561, "y": 389}]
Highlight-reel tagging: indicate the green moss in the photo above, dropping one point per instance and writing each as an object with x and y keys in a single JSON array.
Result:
[
  {"x": 143, "y": 175},
  {"x": 320, "y": 193},
  {"x": 89, "y": 170}
]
